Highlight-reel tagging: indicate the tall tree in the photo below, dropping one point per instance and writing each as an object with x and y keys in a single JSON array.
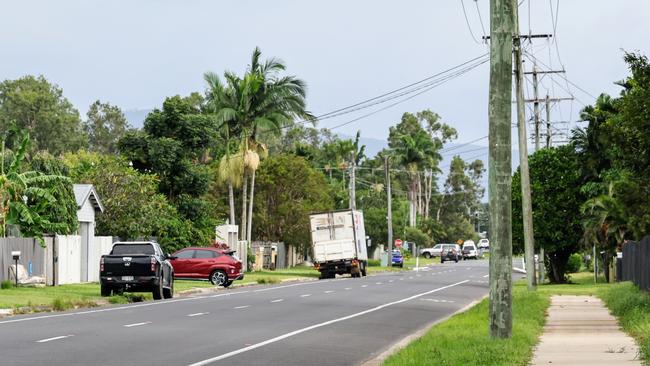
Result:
[
  {"x": 105, "y": 125},
  {"x": 34, "y": 105}
]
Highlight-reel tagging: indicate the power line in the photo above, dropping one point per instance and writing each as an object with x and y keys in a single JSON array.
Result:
[
  {"x": 462, "y": 3},
  {"x": 533, "y": 58},
  {"x": 480, "y": 18},
  {"x": 461, "y": 145}
]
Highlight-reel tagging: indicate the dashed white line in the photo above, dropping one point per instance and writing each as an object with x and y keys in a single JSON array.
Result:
[
  {"x": 54, "y": 338},
  {"x": 242, "y": 307},
  {"x": 329, "y": 291},
  {"x": 391, "y": 280},
  {"x": 348, "y": 288},
  {"x": 319, "y": 325},
  {"x": 197, "y": 314},
  {"x": 378, "y": 283},
  {"x": 305, "y": 295},
  {"x": 277, "y": 300},
  {"x": 486, "y": 276},
  {"x": 364, "y": 285},
  {"x": 136, "y": 324}
]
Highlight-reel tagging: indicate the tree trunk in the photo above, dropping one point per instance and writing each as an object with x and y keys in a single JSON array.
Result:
[
  {"x": 249, "y": 227},
  {"x": 500, "y": 167},
  {"x": 231, "y": 203},
  {"x": 243, "y": 207},
  {"x": 420, "y": 210}
]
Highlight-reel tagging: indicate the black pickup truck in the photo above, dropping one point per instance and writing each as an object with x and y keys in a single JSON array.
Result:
[{"x": 137, "y": 267}]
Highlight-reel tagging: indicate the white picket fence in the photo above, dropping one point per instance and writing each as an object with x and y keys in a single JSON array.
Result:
[{"x": 68, "y": 266}]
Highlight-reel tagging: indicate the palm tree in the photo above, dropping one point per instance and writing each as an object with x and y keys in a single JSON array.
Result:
[
  {"x": 414, "y": 152},
  {"x": 251, "y": 107}
]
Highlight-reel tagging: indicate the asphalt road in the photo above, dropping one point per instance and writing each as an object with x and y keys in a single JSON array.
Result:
[{"x": 343, "y": 321}]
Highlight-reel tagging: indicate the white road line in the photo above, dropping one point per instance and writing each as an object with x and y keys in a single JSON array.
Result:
[
  {"x": 319, "y": 325},
  {"x": 364, "y": 285},
  {"x": 305, "y": 295},
  {"x": 242, "y": 307},
  {"x": 378, "y": 283},
  {"x": 136, "y": 324},
  {"x": 278, "y": 300},
  {"x": 486, "y": 276},
  {"x": 391, "y": 280},
  {"x": 348, "y": 288},
  {"x": 329, "y": 291},
  {"x": 54, "y": 338},
  {"x": 197, "y": 314}
]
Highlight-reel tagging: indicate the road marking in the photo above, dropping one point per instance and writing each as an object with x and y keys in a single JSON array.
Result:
[
  {"x": 401, "y": 279},
  {"x": 54, "y": 338},
  {"x": 136, "y": 324},
  {"x": 348, "y": 288},
  {"x": 436, "y": 300},
  {"x": 319, "y": 325},
  {"x": 197, "y": 314},
  {"x": 364, "y": 285},
  {"x": 278, "y": 300},
  {"x": 378, "y": 283},
  {"x": 242, "y": 307},
  {"x": 305, "y": 295},
  {"x": 486, "y": 276},
  {"x": 329, "y": 291},
  {"x": 418, "y": 275},
  {"x": 410, "y": 277},
  {"x": 391, "y": 280}
]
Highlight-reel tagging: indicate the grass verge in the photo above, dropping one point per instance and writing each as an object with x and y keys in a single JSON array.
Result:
[
  {"x": 632, "y": 308},
  {"x": 464, "y": 339}
]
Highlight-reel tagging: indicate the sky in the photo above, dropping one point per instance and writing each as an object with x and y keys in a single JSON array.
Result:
[{"x": 135, "y": 53}]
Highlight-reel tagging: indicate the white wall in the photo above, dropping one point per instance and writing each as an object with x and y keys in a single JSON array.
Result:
[{"x": 101, "y": 245}]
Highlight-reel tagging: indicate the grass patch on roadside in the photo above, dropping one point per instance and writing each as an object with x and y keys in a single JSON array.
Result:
[
  {"x": 22, "y": 296},
  {"x": 464, "y": 339},
  {"x": 632, "y": 308}
]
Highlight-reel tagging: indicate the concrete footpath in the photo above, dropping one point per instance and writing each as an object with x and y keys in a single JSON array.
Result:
[{"x": 580, "y": 331}]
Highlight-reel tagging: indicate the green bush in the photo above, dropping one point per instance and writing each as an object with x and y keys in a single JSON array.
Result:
[
  {"x": 374, "y": 262},
  {"x": 5, "y": 285},
  {"x": 574, "y": 263}
]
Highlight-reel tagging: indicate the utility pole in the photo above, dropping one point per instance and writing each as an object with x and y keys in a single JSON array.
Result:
[
  {"x": 500, "y": 167},
  {"x": 389, "y": 209},
  {"x": 536, "y": 107},
  {"x": 549, "y": 132},
  {"x": 353, "y": 198},
  {"x": 526, "y": 201}
]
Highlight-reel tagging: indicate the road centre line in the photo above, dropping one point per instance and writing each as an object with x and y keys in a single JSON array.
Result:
[
  {"x": 277, "y": 300},
  {"x": 155, "y": 303},
  {"x": 54, "y": 338},
  {"x": 305, "y": 295},
  {"x": 487, "y": 275},
  {"x": 136, "y": 324},
  {"x": 197, "y": 314},
  {"x": 319, "y": 325},
  {"x": 329, "y": 291},
  {"x": 242, "y": 307}
]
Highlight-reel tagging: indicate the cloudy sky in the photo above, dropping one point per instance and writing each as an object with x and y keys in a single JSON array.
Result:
[{"x": 135, "y": 53}]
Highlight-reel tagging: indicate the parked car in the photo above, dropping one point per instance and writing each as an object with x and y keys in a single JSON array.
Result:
[
  {"x": 484, "y": 244},
  {"x": 470, "y": 251},
  {"x": 138, "y": 267},
  {"x": 398, "y": 259},
  {"x": 451, "y": 252},
  {"x": 219, "y": 266},
  {"x": 436, "y": 250}
]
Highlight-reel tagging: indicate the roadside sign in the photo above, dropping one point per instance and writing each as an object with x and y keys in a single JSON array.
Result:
[
  {"x": 398, "y": 242},
  {"x": 459, "y": 241}
]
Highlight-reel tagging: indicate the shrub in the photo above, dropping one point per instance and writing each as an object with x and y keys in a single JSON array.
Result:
[
  {"x": 268, "y": 280},
  {"x": 60, "y": 304},
  {"x": 574, "y": 263},
  {"x": 5, "y": 285}
]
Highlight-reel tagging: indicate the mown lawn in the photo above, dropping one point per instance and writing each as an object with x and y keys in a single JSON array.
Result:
[{"x": 464, "y": 340}]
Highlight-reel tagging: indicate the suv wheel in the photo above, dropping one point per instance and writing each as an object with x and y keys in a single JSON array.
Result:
[
  {"x": 218, "y": 277},
  {"x": 105, "y": 290},
  {"x": 426, "y": 255},
  {"x": 157, "y": 291}
]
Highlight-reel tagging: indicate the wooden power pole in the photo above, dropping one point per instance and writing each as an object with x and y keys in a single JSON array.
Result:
[
  {"x": 353, "y": 185},
  {"x": 526, "y": 201},
  {"x": 500, "y": 167}
]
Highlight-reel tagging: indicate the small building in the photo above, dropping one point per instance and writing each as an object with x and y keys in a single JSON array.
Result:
[{"x": 88, "y": 205}]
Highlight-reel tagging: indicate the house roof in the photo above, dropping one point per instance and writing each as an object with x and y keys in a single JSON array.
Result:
[{"x": 85, "y": 192}]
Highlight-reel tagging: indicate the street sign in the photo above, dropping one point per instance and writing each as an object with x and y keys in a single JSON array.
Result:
[{"x": 398, "y": 242}]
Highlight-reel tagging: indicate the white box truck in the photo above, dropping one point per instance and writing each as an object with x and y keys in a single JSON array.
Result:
[{"x": 339, "y": 243}]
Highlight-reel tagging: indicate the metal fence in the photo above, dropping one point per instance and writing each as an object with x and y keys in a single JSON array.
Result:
[{"x": 636, "y": 263}]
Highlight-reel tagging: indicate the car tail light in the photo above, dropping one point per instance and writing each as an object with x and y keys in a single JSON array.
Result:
[
  {"x": 153, "y": 264},
  {"x": 101, "y": 264}
]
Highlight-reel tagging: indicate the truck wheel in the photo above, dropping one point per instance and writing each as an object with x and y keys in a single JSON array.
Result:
[
  {"x": 168, "y": 293},
  {"x": 332, "y": 275},
  {"x": 218, "y": 277},
  {"x": 105, "y": 290},
  {"x": 426, "y": 255},
  {"x": 157, "y": 291}
]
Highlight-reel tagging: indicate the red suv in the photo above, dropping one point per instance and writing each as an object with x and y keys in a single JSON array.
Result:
[{"x": 219, "y": 266}]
